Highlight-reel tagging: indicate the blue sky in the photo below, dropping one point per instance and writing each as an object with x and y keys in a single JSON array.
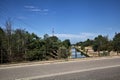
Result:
[{"x": 76, "y": 20}]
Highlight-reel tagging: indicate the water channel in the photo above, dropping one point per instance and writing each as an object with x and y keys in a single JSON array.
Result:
[{"x": 76, "y": 54}]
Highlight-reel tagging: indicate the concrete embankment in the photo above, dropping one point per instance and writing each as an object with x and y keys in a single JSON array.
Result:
[{"x": 83, "y": 53}]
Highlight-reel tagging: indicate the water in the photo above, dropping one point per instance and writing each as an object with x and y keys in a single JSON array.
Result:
[{"x": 76, "y": 54}]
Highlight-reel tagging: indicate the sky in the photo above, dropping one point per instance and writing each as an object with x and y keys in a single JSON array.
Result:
[{"x": 76, "y": 20}]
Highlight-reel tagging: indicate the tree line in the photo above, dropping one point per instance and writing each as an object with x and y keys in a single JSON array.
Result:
[
  {"x": 20, "y": 45},
  {"x": 102, "y": 43}
]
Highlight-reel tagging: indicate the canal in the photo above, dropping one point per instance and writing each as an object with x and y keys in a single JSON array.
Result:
[{"x": 76, "y": 54}]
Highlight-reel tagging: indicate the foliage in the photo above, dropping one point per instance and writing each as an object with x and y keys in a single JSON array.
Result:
[
  {"x": 67, "y": 43},
  {"x": 102, "y": 43},
  {"x": 84, "y": 44},
  {"x": 116, "y": 42},
  {"x": 20, "y": 45}
]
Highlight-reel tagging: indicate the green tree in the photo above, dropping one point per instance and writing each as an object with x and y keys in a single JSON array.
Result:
[
  {"x": 67, "y": 43},
  {"x": 19, "y": 44},
  {"x": 3, "y": 51},
  {"x": 110, "y": 46},
  {"x": 8, "y": 32},
  {"x": 116, "y": 42},
  {"x": 52, "y": 45},
  {"x": 84, "y": 44},
  {"x": 35, "y": 49},
  {"x": 100, "y": 43}
]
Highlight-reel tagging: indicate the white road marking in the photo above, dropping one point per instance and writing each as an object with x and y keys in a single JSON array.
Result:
[
  {"x": 48, "y": 63},
  {"x": 70, "y": 72}
]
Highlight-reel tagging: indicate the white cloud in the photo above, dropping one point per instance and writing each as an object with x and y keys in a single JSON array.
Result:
[
  {"x": 89, "y": 34},
  {"x": 29, "y": 7},
  {"x": 35, "y": 10},
  {"x": 68, "y": 35},
  {"x": 21, "y": 17},
  {"x": 109, "y": 29},
  {"x": 80, "y": 36},
  {"x": 76, "y": 37},
  {"x": 45, "y": 10},
  {"x": 32, "y": 8}
]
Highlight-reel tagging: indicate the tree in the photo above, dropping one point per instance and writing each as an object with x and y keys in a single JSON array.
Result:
[
  {"x": 2, "y": 34},
  {"x": 110, "y": 46},
  {"x": 19, "y": 44},
  {"x": 3, "y": 53},
  {"x": 116, "y": 42},
  {"x": 100, "y": 43},
  {"x": 67, "y": 43},
  {"x": 46, "y": 36},
  {"x": 84, "y": 44},
  {"x": 8, "y": 31},
  {"x": 52, "y": 46},
  {"x": 35, "y": 49}
]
